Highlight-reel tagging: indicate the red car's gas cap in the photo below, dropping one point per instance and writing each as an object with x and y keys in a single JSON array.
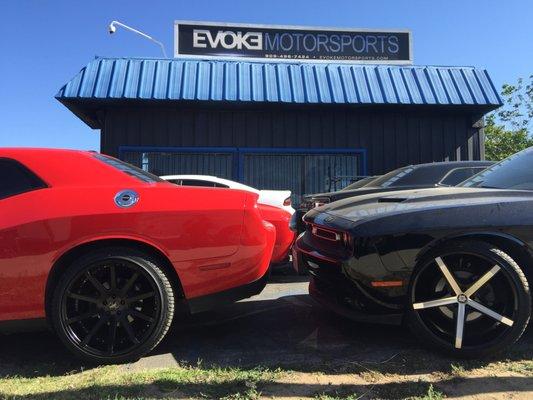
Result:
[{"x": 126, "y": 198}]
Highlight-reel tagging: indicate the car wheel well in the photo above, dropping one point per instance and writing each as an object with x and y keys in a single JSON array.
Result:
[
  {"x": 66, "y": 259},
  {"x": 517, "y": 250}
]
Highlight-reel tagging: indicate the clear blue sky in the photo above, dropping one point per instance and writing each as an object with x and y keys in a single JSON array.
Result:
[{"x": 44, "y": 43}]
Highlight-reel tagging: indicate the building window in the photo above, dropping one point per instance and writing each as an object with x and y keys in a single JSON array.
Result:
[{"x": 302, "y": 171}]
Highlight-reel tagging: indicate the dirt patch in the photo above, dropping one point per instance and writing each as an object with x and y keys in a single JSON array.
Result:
[{"x": 479, "y": 384}]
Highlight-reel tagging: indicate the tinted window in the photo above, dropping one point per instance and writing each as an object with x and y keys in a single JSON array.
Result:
[
  {"x": 360, "y": 183},
  {"x": 129, "y": 169},
  {"x": 199, "y": 182},
  {"x": 390, "y": 178},
  {"x": 426, "y": 175},
  {"x": 15, "y": 178},
  {"x": 412, "y": 176},
  {"x": 515, "y": 172},
  {"x": 458, "y": 175}
]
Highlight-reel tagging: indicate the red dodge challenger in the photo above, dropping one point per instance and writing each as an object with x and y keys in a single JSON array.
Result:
[
  {"x": 278, "y": 215},
  {"x": 104, "y": 250}
]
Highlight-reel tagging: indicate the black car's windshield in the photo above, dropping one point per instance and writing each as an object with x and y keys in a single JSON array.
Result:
[
  {"x": 391, "y": 178},
  {"x": 515, "y": 172},
  {"x": 360, "y": 183}
]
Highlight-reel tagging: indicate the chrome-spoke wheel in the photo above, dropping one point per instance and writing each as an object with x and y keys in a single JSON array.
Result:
[
  {"x": 110, "y": 307},
  {"x": 469, "y": 298},
  {"x": 462, "y": 298}
]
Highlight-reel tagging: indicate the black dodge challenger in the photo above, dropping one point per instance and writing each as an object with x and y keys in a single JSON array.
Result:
[
  {"x": 452, "y": 262},
  {"x": 420, "y": 176}
]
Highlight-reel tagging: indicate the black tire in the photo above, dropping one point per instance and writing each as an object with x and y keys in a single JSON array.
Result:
[
  {"x": 121, "y": 294},
  {"x": 506, "y": 291}
]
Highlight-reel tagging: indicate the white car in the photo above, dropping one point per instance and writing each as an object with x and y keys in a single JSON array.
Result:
[{"x": 276, "y": 198}]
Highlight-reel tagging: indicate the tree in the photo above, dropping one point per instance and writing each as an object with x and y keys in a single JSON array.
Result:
[{"x": 508, "y": 129}]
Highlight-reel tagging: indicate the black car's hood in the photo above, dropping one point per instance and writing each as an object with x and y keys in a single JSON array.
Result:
[
  {"x": 383, "y": 204},
  {"x": 343, "y": 194}
]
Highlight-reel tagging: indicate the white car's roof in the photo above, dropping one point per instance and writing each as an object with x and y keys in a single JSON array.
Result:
[{"x": 222, "y": 181}]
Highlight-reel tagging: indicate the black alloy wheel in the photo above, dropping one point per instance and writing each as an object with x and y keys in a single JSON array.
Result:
[
  {"x": 113, "y": 305},
  {"x": 469, "y": 299}
]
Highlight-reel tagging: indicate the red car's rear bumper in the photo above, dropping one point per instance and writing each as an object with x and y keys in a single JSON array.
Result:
[{"x": 210, "y": 301}]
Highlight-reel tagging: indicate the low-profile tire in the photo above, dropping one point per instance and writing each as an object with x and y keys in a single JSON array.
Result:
[
  {"x": 473, "y": 282},
  {"x": 112, "y": 305}
]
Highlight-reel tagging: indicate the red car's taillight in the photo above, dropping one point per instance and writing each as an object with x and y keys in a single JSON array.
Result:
[{"x": 287, "y": 201}]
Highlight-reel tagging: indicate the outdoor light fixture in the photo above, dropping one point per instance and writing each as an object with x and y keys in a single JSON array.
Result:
[{"x": 113, "y": 28}]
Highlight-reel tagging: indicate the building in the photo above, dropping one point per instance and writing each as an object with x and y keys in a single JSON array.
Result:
[{"x": 303, "y": 126}]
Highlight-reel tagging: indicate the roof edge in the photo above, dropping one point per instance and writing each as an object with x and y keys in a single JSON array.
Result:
[{"x": 300, "y": 83}]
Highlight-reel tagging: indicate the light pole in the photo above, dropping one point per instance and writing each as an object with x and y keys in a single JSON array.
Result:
[{"x": 113, "y": 28}]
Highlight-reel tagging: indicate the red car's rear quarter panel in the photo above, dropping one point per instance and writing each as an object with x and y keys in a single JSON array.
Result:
[
  {"x": 191, "y": 236},
  {"x": 280, "y": 218},
  {"x": 215, "y": 239}
]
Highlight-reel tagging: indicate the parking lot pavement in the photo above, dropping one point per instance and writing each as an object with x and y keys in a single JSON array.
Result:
[
  {"x": 282, "y": 283},
  {"x": 280, "y": 326}
]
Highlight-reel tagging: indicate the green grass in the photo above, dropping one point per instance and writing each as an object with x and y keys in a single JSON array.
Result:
[
  {"x": 336, "y": 396},
  {"x": 457, "y": 370},
  {"x": 117, "y": 383},
  {"x": 377, "y": 380},
  {"x": 431, "y": 394},
  {"x": 414, "y": 390},
  {"x": 522, "y": 367}
]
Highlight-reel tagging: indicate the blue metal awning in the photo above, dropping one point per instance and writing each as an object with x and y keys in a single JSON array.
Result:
[{"x": 114, "y": 79}]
